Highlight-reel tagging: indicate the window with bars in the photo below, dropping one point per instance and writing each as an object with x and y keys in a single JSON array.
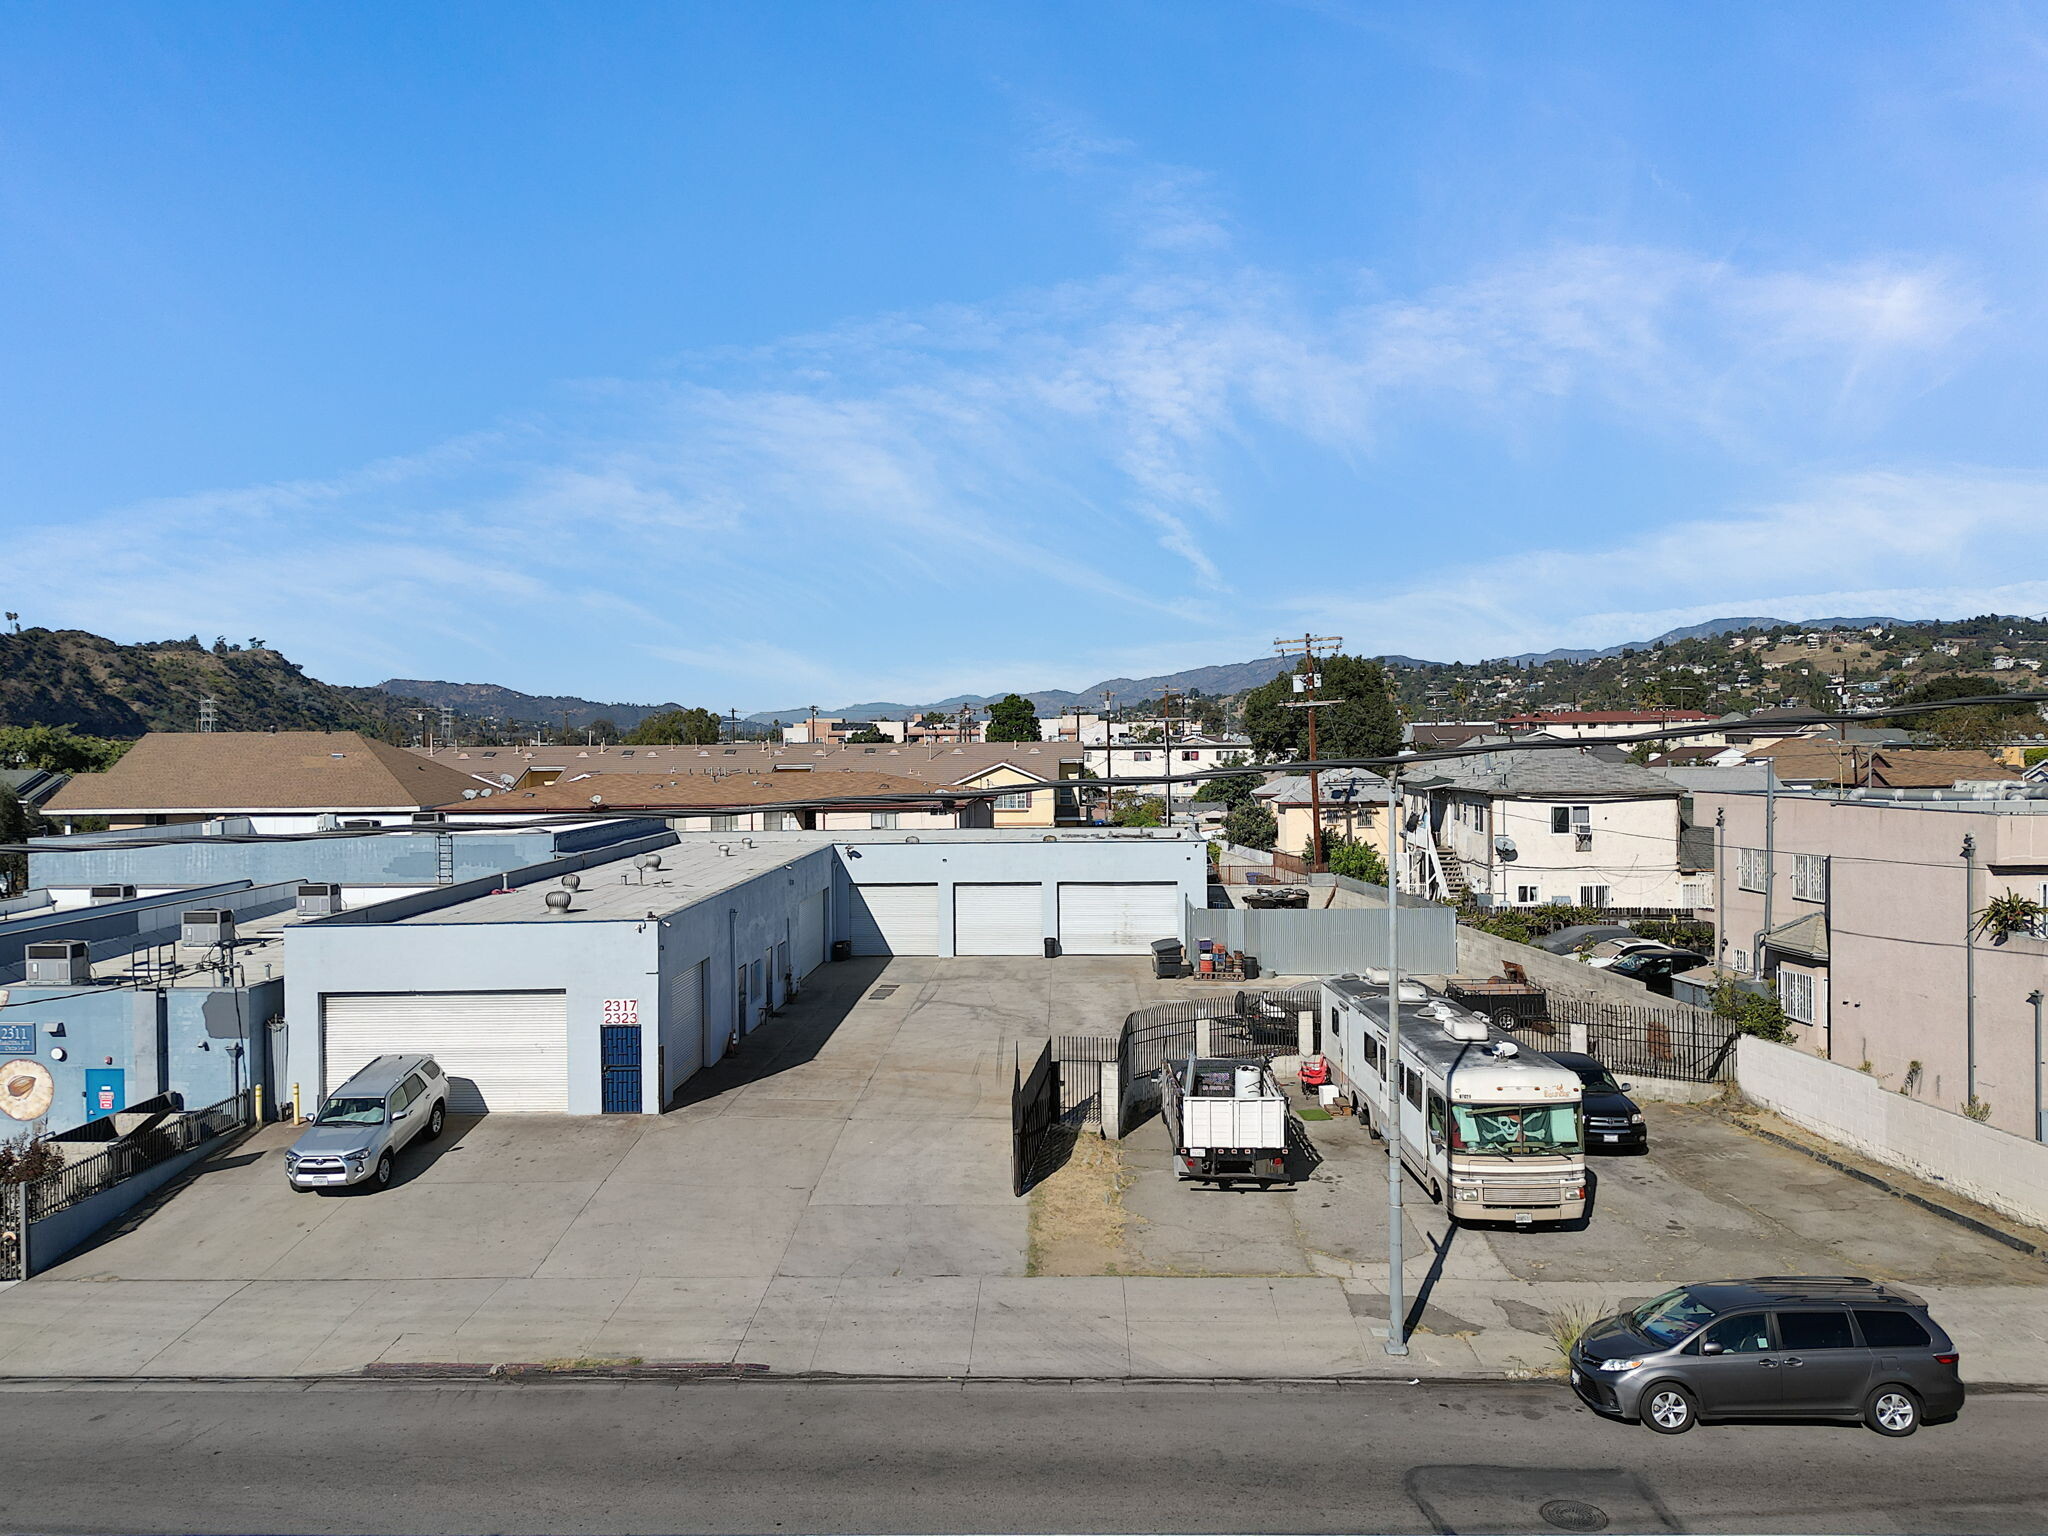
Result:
[
  {"x": 1810, "y": 876},
  {"x": 1595, "y": 895},
  {"x": 1795, "y": 995},
  {"x": 1751, "y": 869}
]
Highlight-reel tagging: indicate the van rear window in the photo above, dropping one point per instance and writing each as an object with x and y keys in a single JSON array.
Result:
[{"x": 1892, "y": 1330}]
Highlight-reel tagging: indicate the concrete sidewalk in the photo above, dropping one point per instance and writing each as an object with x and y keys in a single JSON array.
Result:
[{"x": 1101, "y": 1327}]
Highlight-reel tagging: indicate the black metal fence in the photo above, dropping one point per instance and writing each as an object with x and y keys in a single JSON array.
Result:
[
  {"x": 174, "y": 1130},
  {"x": 1248, "y": 1023},
  {"x": 1034, "y": 1119},
  {"x": 1081, "y": 1059},
  {"x": 1685, "y": 1044}
]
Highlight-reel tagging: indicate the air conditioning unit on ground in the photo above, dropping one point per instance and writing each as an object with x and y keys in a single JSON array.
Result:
[
  {"x": 319, "y": 900},
  {"x": 100, "y": 895},
  {"x": 206, "y": 928},
  {"x": 59, "y": 963}
]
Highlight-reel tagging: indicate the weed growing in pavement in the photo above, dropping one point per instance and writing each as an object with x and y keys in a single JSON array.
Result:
[{"x": 1567, "y": 1324}]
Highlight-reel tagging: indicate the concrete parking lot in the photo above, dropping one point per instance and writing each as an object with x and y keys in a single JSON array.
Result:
[{"x": 837, "y": 1199}]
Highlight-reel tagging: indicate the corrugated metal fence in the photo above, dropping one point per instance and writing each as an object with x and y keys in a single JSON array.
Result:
[{"x": 1325, "y": 941}]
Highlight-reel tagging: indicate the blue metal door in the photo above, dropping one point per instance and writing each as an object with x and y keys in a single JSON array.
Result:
[
  {"x": 105, "y": 1091},
  {"x": 622, "y": 1069}
]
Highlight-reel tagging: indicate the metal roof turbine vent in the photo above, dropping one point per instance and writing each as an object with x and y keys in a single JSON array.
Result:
[
  {"x": 572, "y": 882},
  {"x": 558, "y": 901}
]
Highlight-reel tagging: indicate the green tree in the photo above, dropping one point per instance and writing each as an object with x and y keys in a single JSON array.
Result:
[
  {"x": 1251, "y": 825},
  {"x": 604, "y": 730},
  {"x": 1354, "y": 859},
  {"x": 866, "y": 737},
  {"x": 1977, "y": 726},
  {"x": 1012, "y": 718},
  {"x": 1754, "y": 1013},
  {"x": 55, "y": 748},
  {"x": 1364, "y": 721},
  {"x": 675, "y": 727},
  {"x": 17, "y": 825},
  {"x": 1128, "y": 808},
  {"x": 1234, "y": 789}
]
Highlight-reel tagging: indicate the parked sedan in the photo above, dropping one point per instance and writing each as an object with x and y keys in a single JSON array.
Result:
[
  {"x": 1565, "y": 940},
  {"x": 1614, "y": 1122},
  {"x": 1654, "y": 968},
  {"x": 1607, "y": 951}
]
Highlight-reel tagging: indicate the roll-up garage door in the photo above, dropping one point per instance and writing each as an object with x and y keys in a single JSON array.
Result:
[
  {"x": 682, "y": 1032},
  {"x": 810, "y": 934},
  {"x": 998, "y": 920},
  {"x": 896, "y": 919},
  {"x": 501, "y": 1050},
  {"x": 1117, "y": 919}
]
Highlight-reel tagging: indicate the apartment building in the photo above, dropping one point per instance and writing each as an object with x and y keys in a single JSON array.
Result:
[{"x": 1868, "y": 910}]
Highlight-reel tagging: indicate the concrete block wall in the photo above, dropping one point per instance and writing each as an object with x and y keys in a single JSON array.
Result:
[
  {"x": 1994, "y": 1167},
  {"x": 1484, "y": 954}
]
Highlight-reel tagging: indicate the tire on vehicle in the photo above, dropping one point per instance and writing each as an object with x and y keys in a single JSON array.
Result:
[
  {"x": 437, "y": 1119},
  {"x": 383, "y": 1174},
  {"x": 1892, "y": 1410},
  {"x": 1669, "y": 1408}
]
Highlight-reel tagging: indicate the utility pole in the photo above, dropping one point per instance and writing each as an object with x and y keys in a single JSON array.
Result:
[
  {"x": 812, "y": 736},
  {"x": 1308, "y": 647},
  {"x": 1397, "y": 1311},
  {"x": 1166, "y": 742}
]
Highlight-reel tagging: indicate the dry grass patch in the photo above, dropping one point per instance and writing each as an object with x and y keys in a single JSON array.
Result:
[{"x": 1078, "y": 1216}]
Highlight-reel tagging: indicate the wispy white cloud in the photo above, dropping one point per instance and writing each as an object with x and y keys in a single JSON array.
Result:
[{"x": 920, "y": 499}]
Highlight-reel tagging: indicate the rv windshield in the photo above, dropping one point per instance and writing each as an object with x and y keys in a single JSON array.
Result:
[{"x": 1509, "y": 1129}]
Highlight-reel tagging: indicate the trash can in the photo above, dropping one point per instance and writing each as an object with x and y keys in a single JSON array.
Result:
[
  {"x": 842, "y": 949},
  {"x": 1166, "y": 958},
  {"x": 1052, "y": 947}
]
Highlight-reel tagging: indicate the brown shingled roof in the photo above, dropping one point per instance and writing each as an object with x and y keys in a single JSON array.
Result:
[
  {"x": 259, "y": 771},
  {"x": 685, "y": 792},
  {"x": 1853, "y": 765}
]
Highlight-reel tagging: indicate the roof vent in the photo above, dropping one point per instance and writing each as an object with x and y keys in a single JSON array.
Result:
[
  {"x": 1471, "y": 1030},
  {"x": 572, "y": 881},
  {"x": 558, "y": 901}
]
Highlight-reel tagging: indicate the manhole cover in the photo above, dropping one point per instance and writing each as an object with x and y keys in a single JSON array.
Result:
[{"x": 1573, "y": 1515}]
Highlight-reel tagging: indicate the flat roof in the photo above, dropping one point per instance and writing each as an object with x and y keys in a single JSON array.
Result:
[{"x": 619, "y": 891}]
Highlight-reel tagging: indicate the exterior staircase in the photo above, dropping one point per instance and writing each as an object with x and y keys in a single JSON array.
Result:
[{"x": 1455, "y": 889}]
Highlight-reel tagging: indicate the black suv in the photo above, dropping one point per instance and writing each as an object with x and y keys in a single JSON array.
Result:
[
  {"x": 1614, "y": 1122},
  {"x": 1654, "y": 968},
  {"x": 1778, "y": 1347}
]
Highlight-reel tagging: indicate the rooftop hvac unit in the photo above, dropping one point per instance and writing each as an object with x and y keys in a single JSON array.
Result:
[
  {"x": 206, "y": 928},
  {"x": 319, "y": 900},
  {"x": 59, "y": 963},
  {"x": 361, "y": 824},
  {"x": 102, "y": 894},
  {"x": 427, "y": 818}
]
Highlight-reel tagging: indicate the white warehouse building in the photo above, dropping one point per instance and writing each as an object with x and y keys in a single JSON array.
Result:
[{"x": 609, "y": 997}]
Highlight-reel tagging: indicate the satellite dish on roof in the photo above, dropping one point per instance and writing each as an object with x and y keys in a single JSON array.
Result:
[{"x": 469, "y": 794}]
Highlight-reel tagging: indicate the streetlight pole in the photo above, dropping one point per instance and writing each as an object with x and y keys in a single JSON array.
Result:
[
  {"x": 2040, "y": 1111},
  {"x": 1969, "y": 972},
  {"x": 1397, "y": 1311}
]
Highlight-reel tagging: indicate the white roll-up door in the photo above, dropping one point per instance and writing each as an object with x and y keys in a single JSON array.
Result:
[
  {"x": 501, "y": 1050},
  {"x": 896, "y": 919},
  {"x": 1117, "y": 919},
  {"x": 682, "y": 1029},
  {"x": 998, "y": 920},
  {"x": 810, "y": 934}
]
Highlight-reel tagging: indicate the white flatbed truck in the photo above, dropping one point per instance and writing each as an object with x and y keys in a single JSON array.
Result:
[{"x": 1228, "y": 1120}]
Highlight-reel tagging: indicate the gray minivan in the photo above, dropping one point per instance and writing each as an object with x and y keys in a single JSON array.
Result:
[
  {"x": 360, "y": 1129},
  {"x": 1782, "y": 1346}
]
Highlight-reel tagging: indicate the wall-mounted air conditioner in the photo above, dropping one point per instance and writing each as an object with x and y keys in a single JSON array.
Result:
[
  {"x": 59, "y": 963},
  {"x": 206, "y": 928},
  {"x": 100, "y": 895},
  {"x": 320, "y": 899}
]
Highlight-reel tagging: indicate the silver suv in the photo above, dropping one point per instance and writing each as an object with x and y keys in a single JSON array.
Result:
[
  {"x": 365, "y": 1121},
  {"x": 1782, "y": 1346}
]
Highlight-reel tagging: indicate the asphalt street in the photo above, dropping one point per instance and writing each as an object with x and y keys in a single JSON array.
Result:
[{"x": 987, "y": 1457}]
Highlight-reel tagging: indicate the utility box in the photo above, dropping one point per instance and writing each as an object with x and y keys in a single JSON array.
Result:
[
  {"x": 319, "y": 899},
  {"x": 206, "y": 928},
  {"x": 59, "y": 963}
]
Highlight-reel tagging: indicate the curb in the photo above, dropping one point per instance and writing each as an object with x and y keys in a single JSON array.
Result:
[{"x": 1946, "y": 1213}]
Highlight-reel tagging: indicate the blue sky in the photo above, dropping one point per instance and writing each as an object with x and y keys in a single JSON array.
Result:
[{"x": 763, "y": 354}]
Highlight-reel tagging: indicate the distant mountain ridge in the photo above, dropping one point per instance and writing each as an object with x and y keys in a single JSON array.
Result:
[{"x": 489, "y": 699}]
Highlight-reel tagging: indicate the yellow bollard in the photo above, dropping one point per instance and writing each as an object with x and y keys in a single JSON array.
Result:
[
  {"x": 297, "y": 1118},
  {"x": 259, "y": 1104}
]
